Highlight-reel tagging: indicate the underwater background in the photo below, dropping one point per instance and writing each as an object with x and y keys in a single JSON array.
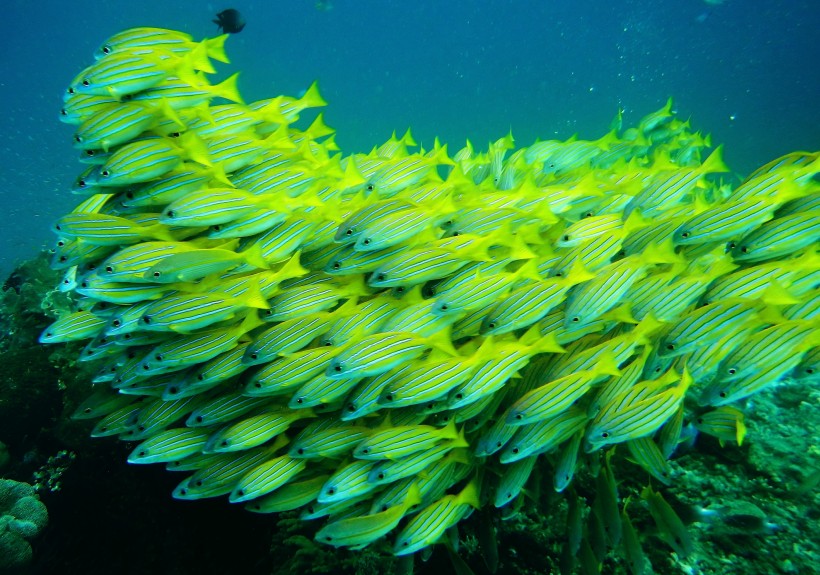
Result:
[{"x": 743, "y": 71}]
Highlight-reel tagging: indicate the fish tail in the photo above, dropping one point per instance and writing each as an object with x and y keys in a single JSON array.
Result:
[
  {"x": 312, "y": 98},
  {"x": 215, "y": 48},
  {"x": 228, "y": 89},
  {"x": 714, "y": 163}
]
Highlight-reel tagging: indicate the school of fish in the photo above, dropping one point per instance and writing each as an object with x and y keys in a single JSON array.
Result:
[{"x": 389, "y": 341}]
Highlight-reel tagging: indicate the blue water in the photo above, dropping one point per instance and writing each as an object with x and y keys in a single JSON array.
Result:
[{"x": 743, "y": 70}]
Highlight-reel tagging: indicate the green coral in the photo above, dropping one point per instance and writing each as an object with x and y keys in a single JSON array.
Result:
[{"x": 22, "y": 517}]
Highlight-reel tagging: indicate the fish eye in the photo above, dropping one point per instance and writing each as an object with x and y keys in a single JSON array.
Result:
[
  {"x": 491, "y": 325},
  {"x": 381, "y": 476},
  {"x": 744, "y": 249},
  {"x": 670, "y": 346},
  {"x": 732, "y": 371},
  {"x": 84, "y": 284},
  {"x": 173, "y": 390},
  {"x": 456, "y": 234},
  {"x": 565, "y": 237},
  {"x": 105, "y": 173},
  {"x": 79, "y": 140},
  {"x": 576, "y": 319},
  {"x": 381, "y": 277},
  {"x": 331, "y": 490},
  {"x": 106, "y": 49},
  {"x": 722, "y": 394},
  {"x": 370, "y": 187},
  {"x": 337, "y": 265},
  {"x": 109, "y": 269},
  {"x": 515, "y": 450},
  {"x": 81, "y": 183},
  {"x": 389, "y": 397},
  {"x": 349, "y": 232},
  {"x": 300, "y": 451},
  {"x": 170, "y": 213},
  {"x": 685, "y": 234},
  {"x": 605, "y": 434},
  {"x": 559, "y": 274},
  {"x": 443, "y": 307},
  {"x": 157, "y": 274},
  {"x": 366, "y": 241},
  {"x": 158, "y": 357},
  {"x": 338, "y": 368},
  {"x": 70, "y": 91},
  {"x": 86, "y": 82},
  {"x": 300, "y": 400}
]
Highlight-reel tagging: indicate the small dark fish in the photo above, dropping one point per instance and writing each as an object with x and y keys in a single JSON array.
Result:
[{"x": 230, "y": 21}]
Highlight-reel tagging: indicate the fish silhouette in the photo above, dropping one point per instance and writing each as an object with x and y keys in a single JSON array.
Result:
[{"x": 230, "y": 21}]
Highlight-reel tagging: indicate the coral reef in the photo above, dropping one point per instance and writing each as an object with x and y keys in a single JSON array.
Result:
[{"x": 22, "y": 517}]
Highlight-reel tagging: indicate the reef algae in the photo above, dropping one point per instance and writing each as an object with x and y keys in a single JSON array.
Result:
[{"x": 613, "y": 267}]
